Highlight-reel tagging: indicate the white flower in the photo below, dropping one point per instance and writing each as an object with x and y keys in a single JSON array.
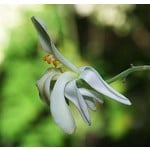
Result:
[{"x": 80, "y": 85}]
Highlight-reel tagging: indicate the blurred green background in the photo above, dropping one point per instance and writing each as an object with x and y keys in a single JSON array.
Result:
[{"x": 108, "y": 37}]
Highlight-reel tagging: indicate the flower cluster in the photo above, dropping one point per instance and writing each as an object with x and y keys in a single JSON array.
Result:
[{"x": 79, "y": 85}]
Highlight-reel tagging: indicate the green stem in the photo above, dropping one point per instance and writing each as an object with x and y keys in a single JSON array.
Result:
[{"x": 128, "y": 71}]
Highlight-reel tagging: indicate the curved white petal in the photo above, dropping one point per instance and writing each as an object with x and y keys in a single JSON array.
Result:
[
  {"x": 72, "y": 93},
  {"x": 48, "y": 45},
  {"x": 90, "y": 94},
  {"x": 90, "y": 103},
  {"x": 58, "y": 105},
  {"x": 47, "y": 85},
  {"x": 42, "y": 81},
  {"x": 91, "y": 76},
  {"x": 43, "y": 34}
]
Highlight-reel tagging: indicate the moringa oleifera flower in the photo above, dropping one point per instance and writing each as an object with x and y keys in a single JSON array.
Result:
[{"x": 79, "y": 85}]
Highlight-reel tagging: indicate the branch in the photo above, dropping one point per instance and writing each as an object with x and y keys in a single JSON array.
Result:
[{"x": 128, "y": 71}]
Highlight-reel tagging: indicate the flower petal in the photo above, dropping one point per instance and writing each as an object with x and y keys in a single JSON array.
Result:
[
  {"x": 47, "y": 85},
  {"x": 41, "y": 83},
  {"x": 48, "y": 45},
  {"x": 91, "y": 76},
  {"x": 72, "y": 93},
  {"x": 90, "y": 103},
  {"x": 90, "y": 94},
  {"x": 43, "y": 34},
  {"x": 58, "y": 105}
]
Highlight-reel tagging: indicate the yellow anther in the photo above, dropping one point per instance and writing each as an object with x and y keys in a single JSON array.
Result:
[
  {"x": 55, "y": 63},
  {"x": 51, "y": 59},
  {"x": 47, "y": 58}
]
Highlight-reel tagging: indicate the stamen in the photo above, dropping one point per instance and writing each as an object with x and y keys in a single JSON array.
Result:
[
  {"x": 51, "y": 59},
  {"x": 47, "y": 58},
  {"x": 56, "y": 63}
]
